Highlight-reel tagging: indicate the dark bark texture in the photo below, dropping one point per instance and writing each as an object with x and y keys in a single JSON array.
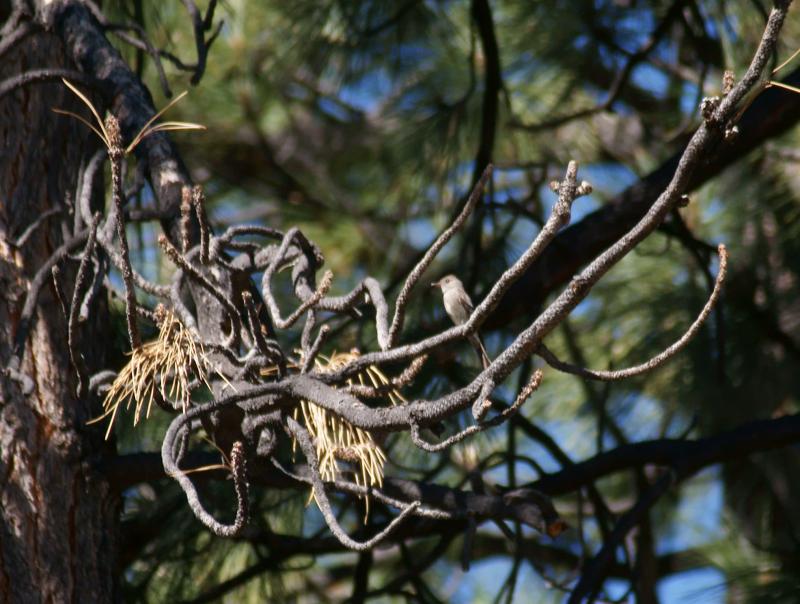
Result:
[{"x": 58, "y": 531}]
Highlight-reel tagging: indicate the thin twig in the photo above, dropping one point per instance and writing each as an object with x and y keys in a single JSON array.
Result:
[
  {"x": 31, "y": 228},
  {"x": 529, "y": 388},
  {"x": 195, "y": 274},
  {"x": 29, "y": 307},
  {"x": 436, "y": 246},
  {"x": 143, "y": 43},
  {"x": 659, "y": 359},
  {"x": 75, "y": 354},
  {"x": 35, "y": 76},
  {"x": 115, "y": 154},
  {"x": 62, "y": 300},
  {"x": 313, "y": 351}
]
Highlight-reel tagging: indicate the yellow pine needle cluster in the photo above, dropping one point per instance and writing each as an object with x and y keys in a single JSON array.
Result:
[
  {"x": 164, "y": 367},
  {"x": 335, "y": 439}
]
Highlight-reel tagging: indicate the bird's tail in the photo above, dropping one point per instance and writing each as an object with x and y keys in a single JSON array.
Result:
[{"x": 480, "y": 350}]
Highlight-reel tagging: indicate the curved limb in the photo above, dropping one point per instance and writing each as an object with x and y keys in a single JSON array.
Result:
[
  {"x": 349, "y": 301},
  {"x": 266, "y": 285},
  {"x": 424, "y": 263},
  {"x": 659, "y": 359},
  {"x": 306, "y": 258},
  {"x": 28, "y": 309},
  {"x": 238, "y": 469},
  {"x": 301, "y": 436},
  {"x": 248, "y": 229}
]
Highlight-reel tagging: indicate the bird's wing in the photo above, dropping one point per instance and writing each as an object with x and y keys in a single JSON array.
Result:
[{"x": 466, "y": 303}]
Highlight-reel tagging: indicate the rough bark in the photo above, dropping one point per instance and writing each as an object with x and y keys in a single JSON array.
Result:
[{"x": 58, "y": 533}]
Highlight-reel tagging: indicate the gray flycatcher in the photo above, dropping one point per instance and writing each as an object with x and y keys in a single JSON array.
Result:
[{"x": 459, "y": 308}]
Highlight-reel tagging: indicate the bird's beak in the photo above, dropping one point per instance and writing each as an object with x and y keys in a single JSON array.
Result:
[{"x": 436, "y": 284}]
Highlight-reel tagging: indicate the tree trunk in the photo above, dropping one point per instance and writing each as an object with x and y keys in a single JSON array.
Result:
[{"x": 59, "y": 530}]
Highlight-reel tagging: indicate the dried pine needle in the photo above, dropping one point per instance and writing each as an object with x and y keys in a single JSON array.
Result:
[
  {"x": 335, "y": 439},
  {"x": 162, "y": 367}
]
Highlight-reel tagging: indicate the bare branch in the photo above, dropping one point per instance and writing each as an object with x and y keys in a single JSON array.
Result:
[
  {"x": 31, "y": 299},
  {"x": 9, "y": 39},
  {"x": 395, "y": 383},
  {"x": 115, "y": 153},
  {"x": 659, "y": 359},
  {"x": 198, "y": 201},
  {"x": 266, "y": 286},
  {"x": 62, "y": 300},
  {"x": 523, "y": 396},
  {"x": 143, "y": 43},
  {"x": 310, "y": 302},
  {"x": 304, "y": 440},
  {"x": 186, "y": 218},
  {"x": 254, "y": 325},
  {"x": 313, "y": 351},
  {"x": 595, "y": 570},
  {"x": 201, "y": 25},
  {"x": 201, "y": 279},
  {"x": 34, "y": 76},
  {"x": 179, "y": 426},
  {"x": 75, "y": 354},
  {"x": 31, "y": 228},
  {"x": 435, "y": 248}
]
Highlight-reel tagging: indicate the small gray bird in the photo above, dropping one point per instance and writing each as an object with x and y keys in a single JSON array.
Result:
[{"x": 459, "y": 308}]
